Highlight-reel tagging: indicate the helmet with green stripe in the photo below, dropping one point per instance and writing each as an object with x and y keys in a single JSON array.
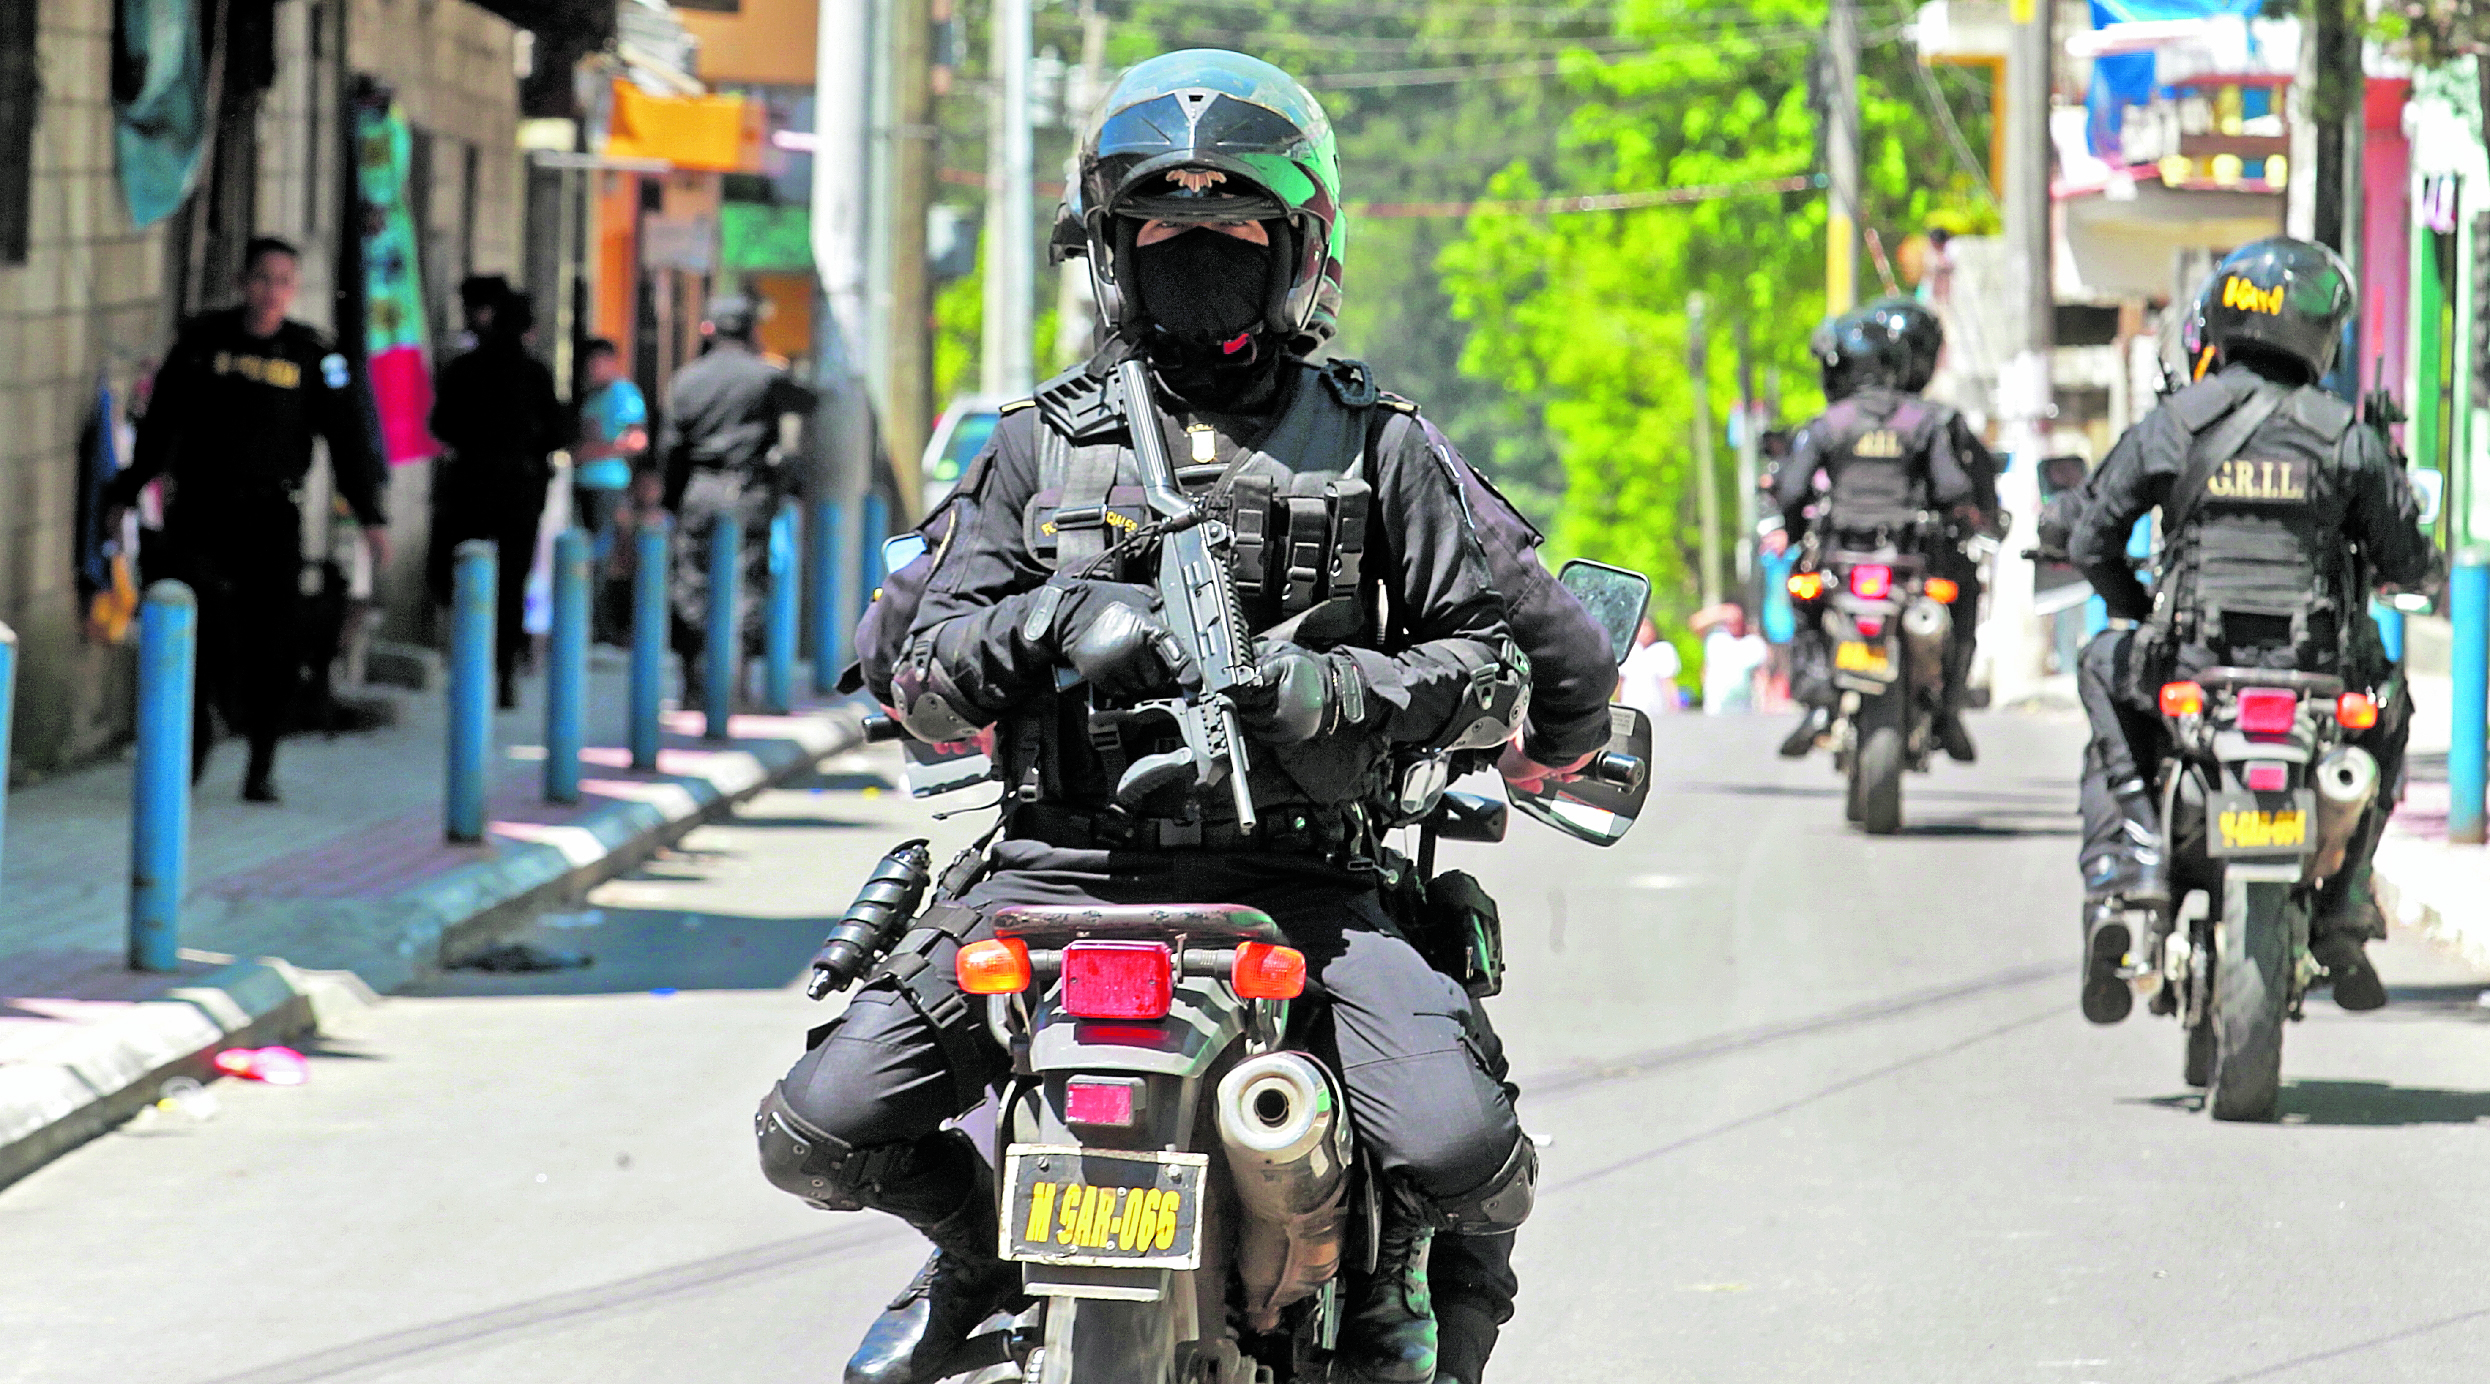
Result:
[{"x": 1206, "y": 135}]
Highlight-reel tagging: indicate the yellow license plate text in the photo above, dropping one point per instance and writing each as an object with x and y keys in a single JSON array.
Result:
[
  {"x": 1130, "y": 1219},
  {"x": 1860, "y": 658},
  {"x": 2251, "y": 830}
]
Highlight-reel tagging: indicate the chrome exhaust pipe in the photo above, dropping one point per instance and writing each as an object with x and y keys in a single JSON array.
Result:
[
  {"x": 2347, "y": 782},
  {"x": 1287, "y": 1142},
  {"x": 1924, "y": 627}
]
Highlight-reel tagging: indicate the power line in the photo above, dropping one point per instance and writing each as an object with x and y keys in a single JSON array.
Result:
[
  {"x": 1602, "y": 201},
  {"x": 1538, "y": 67}
]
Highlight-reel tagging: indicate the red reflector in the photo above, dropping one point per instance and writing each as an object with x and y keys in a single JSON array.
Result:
[
  {"x": 1117, "y": 980},
  {"x": 1871, "y": 580},
  {"x": 2268, "y": 710},
  {"x": 2268, "y": 778},
  {"x": 1872, "y": 628},
  {"x": 1120, "y": 1035},
  {"x": 1092, "y": 1101}
]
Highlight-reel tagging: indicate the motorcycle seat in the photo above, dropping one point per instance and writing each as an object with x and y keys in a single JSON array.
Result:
[{"x": 1206, "y": 922}]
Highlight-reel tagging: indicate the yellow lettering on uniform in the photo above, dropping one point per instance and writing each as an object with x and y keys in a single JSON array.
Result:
[
  {"x": 284, "y": 374},
  {"x": 1166, "y": 1237},
  {"x": 1068, "y": 1219},
  {"x": 1041, "y": 1211}
]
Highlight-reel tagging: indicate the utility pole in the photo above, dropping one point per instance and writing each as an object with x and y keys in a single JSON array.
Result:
[
  {"x": 1076, "y": 309},
  {"x": 1707, "y": 477},
  {"x": 1750, "y": 444},
  {"x": 2323, "y": 202},
  {"x": 1841, "y": 157},
  {"x": 844, "y": 417},
  {"x": 908, "y": 347},
  {"x": 1011, "y": 216},
  {"x": 2023, "y": 386}
]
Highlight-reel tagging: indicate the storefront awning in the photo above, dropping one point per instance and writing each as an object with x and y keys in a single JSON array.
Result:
[{"x": 717, "y": 134}]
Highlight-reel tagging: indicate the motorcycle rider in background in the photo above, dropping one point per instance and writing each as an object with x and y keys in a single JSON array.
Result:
[
  {"x": 2281, "y": 511},
  {"x": 1208, "y": 208},
  {"x": 1914, "y": 329},
  {"x": 1885, "y": 456}
]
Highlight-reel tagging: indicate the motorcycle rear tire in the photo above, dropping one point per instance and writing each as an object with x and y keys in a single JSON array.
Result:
[
  {"x": 1879, "y": 779},
  {"x": 1102, "y": 1341},
  {"x": 2251, "y": 991}
]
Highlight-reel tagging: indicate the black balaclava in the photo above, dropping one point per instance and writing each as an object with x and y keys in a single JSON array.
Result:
[{"x": 1203, "y": 297}]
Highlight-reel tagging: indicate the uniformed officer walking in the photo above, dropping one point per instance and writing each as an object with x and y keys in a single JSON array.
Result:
[
  {"x": 718, "y": 448},
  {"x": 236, "y": 405},
  {"x": 2272, "y": 574}
]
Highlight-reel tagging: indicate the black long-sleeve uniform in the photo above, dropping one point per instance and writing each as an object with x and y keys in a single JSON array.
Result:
[{"x": 713, "y": 448}]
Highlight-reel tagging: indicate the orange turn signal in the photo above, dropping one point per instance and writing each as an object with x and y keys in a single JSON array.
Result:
[
  {"x": 1806, "y": 585},
  {"x": 1267, "y": 972},
  {"x": 2182, "y": 699},
  {"x": 2356, "y": 711},
  {"x": 1941, "y": 590},
  {"x": 998, "y": 966}
]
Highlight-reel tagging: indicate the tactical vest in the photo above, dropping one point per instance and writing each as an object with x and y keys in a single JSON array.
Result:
[
  {"x": 2254, "y": 551},
  {"x": 1298, "y": 501},
  {"x": 1876, "y": 447}
]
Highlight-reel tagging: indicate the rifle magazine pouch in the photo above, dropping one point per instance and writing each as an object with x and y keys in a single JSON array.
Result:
[{"x": 1461, "y": 934}]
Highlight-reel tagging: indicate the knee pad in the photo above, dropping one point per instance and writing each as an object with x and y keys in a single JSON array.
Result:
[
  {"x": 1499, "y": 1204},
  {"x": 821, "y": 1169}
]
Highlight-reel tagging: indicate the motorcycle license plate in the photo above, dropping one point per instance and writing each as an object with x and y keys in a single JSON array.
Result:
[
  {"x": 1866, "y": 660},
  {"x": 2261, "y": 823},
  {"x": 1104, "y": 1208}
]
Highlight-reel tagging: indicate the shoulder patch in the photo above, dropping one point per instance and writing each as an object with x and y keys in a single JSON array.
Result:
[{"x": 1078, "y": 406}]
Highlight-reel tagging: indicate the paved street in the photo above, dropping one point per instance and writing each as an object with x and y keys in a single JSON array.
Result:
[{"x": 1816, "y": 1108}]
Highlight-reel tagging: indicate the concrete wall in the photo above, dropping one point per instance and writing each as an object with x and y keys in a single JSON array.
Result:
[
  {"x": 88, "y": 298},
  {"x": 91, "y": 299}
]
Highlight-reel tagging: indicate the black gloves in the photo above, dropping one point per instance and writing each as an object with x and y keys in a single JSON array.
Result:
[
  {"x": 1111, "y": 634},
  {"x": 1301, "y": 694}
]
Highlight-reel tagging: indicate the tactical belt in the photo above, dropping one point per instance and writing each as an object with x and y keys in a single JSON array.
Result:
[
  {"x": 935, "y": 995},
  {"x": 1331, "y": 833}
]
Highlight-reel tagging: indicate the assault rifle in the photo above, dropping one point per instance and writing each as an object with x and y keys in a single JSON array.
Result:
[{"x": 1198, "y": 596}]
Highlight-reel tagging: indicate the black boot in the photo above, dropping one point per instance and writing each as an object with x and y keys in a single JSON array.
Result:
[
  {"x": 1470, "y": 1278},
  {"x": 2338, "y": 938},
  {"x": 962, "y": 1285},
  {"x": 1955, "y": 737},
  {"x": 1802, "y": 738},
  {"x": 2130, "y": 866},
  {"x": 259, "y": 779},
  {"x": 1389, "y": 1337}
]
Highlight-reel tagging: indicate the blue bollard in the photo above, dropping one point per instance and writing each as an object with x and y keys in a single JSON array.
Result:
[
  {"x": 648, "y": 639},
  {"x": 826, "y": 532},
  {"x": 778, "y": 649},
  {"x": 168, "y": 663},
  {"x": 724, "y": 654},
  {"x": 877, "y": 528},
  {"x": 8, "y": 711},
  {"x": 471, "y": 688},
  {"x": 2468, "y": 609},
  {"x": 2390, "y": 628},
  {"x": 566, "y": 680}
]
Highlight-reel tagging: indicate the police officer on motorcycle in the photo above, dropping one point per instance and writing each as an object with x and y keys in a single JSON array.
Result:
[
  {"x": 1208, "y": 209},
  {"x": 2268, "y": 567},
  {"x": 1875, "y": 459}
]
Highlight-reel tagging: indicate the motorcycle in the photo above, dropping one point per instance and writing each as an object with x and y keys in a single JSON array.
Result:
[
  {"x": 1885, "y": 622},
  {"x": 2261, "y": 800},
  {"x": 1176, "y": 1172}
]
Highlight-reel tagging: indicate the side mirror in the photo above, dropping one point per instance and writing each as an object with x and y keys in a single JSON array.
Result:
[
  {"x": 1469, "y": 817},
  {"x": 1614, "y": 596},
  {"x": 2059, "y": 474},
  {"x": 1600, "y": 807},
  {"x": 2429, "y": 487}
]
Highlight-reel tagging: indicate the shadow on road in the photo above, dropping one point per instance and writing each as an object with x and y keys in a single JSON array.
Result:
[
  {"x": 1981, "y": 829},
  {"x": 652, "y": 950},
  {"x": 2355, "y": 1104}
]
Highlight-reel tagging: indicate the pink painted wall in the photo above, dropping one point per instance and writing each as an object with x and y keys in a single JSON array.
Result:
[{"x": 2385, "y": 269}]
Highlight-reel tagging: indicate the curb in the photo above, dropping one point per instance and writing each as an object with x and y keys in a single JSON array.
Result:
[
  {"x": 339, "y": 956},
  {"x": 2426, "y": 886}
]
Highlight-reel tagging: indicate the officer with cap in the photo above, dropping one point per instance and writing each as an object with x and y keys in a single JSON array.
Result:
[
  {"x": 236, "y": 405},
  {"x": 1208, "y": 210},
  {"x": 2273, "y": 574},
  {"x": 1869, "y": 465},
  {"x": 718, "y": 450}
]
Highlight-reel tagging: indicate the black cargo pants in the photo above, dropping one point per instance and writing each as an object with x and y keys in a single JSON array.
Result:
[{"x": 1422, "y": 1072}]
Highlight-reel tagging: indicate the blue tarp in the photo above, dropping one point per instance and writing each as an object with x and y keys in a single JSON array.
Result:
[{"x": 2126, "y": 79}]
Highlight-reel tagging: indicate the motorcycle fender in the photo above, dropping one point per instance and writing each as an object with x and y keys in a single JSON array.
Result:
[{"x": 1203, "y": 1020}]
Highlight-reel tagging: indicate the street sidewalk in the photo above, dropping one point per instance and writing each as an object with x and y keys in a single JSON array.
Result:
[
  {"x": 346, "y": 889},
  {"x": 2423, "y": 882}
]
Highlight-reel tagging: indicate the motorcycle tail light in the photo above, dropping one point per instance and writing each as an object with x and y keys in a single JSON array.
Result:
[
  {"x": 1942, "y": 591},
  {"x": 2356, "y": 711},
  {"x": 1117, "y": 980},
  {"x": 1267, "y": 972},
  {"x": 1106, "y": 1101},
  {"x": 1806, "y": 586},
  {"x": 2268, "y": 710},
  {"x": 2182, "y": 699},
  {"x": 2268, "y": 778},
  {"x": 1871, "y": 580},
  {"x": 997, "y": 966},
  {"x": 1871, "y": 627}
]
